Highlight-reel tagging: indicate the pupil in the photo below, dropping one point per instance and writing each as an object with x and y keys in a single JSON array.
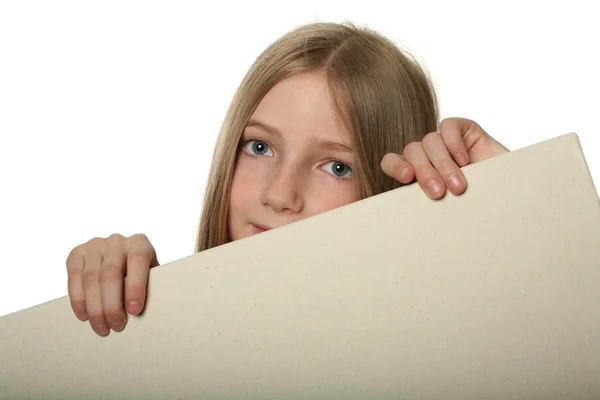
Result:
[
  {"x": 259, "y": 147},
  {"x": 339, "y": 168}
]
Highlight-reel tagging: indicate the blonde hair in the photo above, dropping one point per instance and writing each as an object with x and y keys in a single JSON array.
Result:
[{"x": 382, "y": 97}]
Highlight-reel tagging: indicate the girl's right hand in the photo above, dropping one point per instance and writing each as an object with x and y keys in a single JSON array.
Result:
[{"x": 105, "y": 271}]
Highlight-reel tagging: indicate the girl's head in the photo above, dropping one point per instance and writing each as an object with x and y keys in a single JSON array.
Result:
[{"x": 308, "y": 127}]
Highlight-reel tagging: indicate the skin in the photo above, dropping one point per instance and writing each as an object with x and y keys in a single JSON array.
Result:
[{"x": 292, "y": 164}]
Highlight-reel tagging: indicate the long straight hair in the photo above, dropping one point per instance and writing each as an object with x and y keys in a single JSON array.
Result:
[{"x": 382, "y": 97}]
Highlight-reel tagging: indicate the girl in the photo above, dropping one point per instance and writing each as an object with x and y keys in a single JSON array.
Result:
[{"x": 327, "y": 115}]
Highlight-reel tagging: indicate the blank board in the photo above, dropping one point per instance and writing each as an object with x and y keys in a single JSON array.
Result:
[{"x": 491, "y": 294}]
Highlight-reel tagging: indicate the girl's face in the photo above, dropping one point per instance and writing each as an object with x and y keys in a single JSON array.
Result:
[{"x": 294, "y": 160}]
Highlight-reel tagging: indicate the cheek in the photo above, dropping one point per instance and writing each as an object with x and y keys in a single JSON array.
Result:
[
  {"x": 243, "y": 186},
  {"x": 337, "y": 194}
]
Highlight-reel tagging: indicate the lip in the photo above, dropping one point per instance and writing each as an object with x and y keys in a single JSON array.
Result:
[{"x": 261, "y": 228}]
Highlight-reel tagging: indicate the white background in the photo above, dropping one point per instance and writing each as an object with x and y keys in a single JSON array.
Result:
[{"x": 109, "y": 110}]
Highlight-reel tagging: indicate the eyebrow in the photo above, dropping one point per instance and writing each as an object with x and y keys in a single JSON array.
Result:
[{"x": 313, "y": 141}]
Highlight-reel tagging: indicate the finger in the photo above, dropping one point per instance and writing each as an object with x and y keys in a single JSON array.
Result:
[
  {"x": 453, "y": 131},
  {"x": 474, "y": 137},
  {"x": 395, "y": 166},
  {"x": 140, "y": 258},
  {"x": 427, "y": 176},
  {"x": 75, "y": 267},
  {"x": 111, "y": 278},
  {"x": 93, "y": 293},
  {"x": 440, "y": 158}
]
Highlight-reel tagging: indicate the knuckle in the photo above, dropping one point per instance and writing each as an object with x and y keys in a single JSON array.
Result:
[
  {"x": 78, "y": 303},
  {"x": 113, "y": 311},
  {"x": 139, "y": 237},
  {"x": 97, "y": 321},
  {"x": 431, "y": 136},
  {"x": 75, "y": 261},
  {"x": 411, "y": 147},
  {"x": 136, "y": 289},
  {"x": 96, "y": 316},
  {"x": 75, "y": 252},
  {"x": 92, "y": 247},
  {"x": 115, "y": 238},
  {"x": 95, "y": 241},
  {"x": 140, "y": 247},
  {"x": 449, "y": 173},
  {"x": 111, "y": 272},
  {"x": 91, "y": 276},
  {"x": 138, "y": 253},
  {"x": 75, "y": 274},
  {"x": 427, "y": 171},
  {"x": 446, "y": 122}
]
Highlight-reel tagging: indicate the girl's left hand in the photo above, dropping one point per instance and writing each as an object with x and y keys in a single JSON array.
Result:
[{"x": 436, "y": 161}]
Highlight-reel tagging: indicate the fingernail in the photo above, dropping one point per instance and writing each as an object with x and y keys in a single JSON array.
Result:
[
  {"x": 461, "y": 159},
  {"x": 455, "y": 183},
  {"x": 117, "y": 326},
  {"x": 434, "y": 187},
  {"x": 101, "y": 330},
  {"x": 134, "y": 307},
  {"x": 404, "y": 174}
]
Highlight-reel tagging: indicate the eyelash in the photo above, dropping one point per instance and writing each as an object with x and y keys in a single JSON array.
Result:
[{"x": 245, "y": 142}]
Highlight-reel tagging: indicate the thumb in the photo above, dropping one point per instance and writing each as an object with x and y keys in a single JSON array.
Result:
[{"x": 486, "y": 147}]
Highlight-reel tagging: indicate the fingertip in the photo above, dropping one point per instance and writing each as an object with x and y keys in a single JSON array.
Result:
[
  {"x": 461, "y": 159},
  {"x": 435, "y": 189},
  {"x": 119, "y": 326},
  {"x": 407, "y": 174},
  {"x": 395, "y": 166},
  {"x": 99, "y": 327},
  {"x": 387, "y": 162},
  {"x": 79, "y": 310},
  {"x": 438, "y": 196},
  {"x": 134, "y": 307},
  {"x": 464, "y": 185},
  {"x": 102, "y": 332}
]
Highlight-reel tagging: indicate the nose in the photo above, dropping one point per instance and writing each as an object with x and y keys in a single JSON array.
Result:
[{"x": 283, "y": 192}]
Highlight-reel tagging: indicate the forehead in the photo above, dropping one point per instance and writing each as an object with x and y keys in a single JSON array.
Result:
[{"x": 301, "y": 105}]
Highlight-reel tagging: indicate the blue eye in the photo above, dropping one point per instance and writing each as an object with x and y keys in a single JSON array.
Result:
[
  {"x": 338, "y": 169},
  {"x": 258, "y": 148}
]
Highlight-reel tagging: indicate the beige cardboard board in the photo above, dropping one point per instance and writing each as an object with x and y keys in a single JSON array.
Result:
[{"x": 491, "y": 294}]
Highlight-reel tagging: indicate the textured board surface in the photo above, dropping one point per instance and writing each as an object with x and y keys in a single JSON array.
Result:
[{"x": 491, "y": 294}]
